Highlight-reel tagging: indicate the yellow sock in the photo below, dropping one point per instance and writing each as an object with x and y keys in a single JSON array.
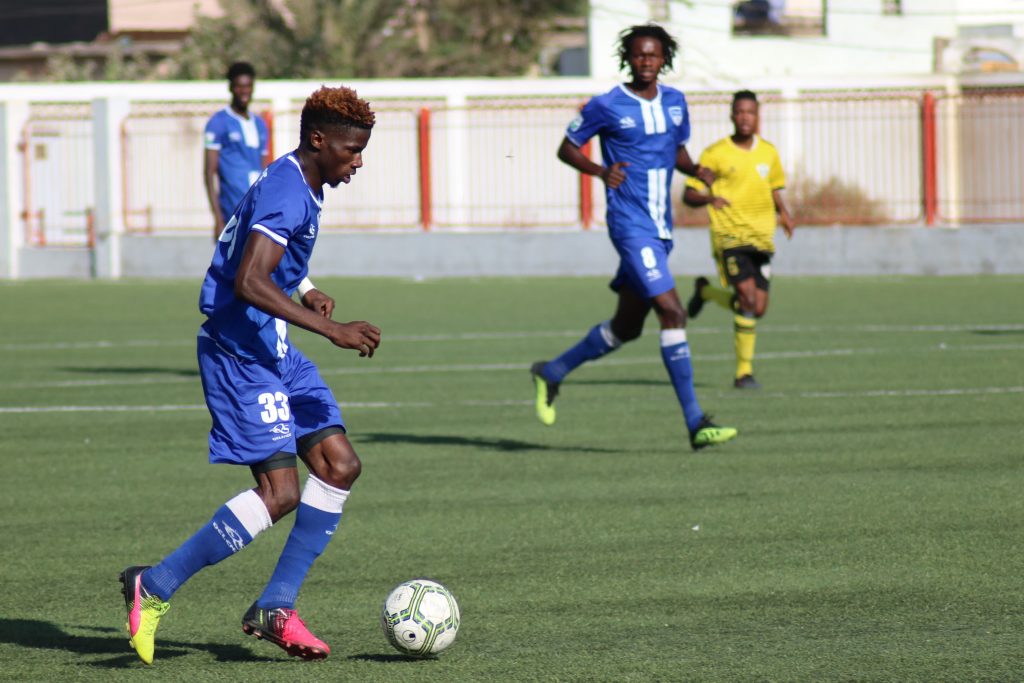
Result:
[
  {"x": 745, "y": 336},
  {"x": 722, "y": 297}
]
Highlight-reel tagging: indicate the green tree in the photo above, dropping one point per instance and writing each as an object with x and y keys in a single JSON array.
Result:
[{"x": 371, "y": 38}]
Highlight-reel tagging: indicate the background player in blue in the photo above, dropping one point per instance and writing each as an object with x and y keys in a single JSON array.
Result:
[
  {"x": 236, "y": 143},
  {"x": 643, "y": 127},
  {"x": 267, "y": 401}
]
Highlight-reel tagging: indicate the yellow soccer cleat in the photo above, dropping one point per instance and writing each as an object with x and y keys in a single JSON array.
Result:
[
  {"x": 708, "y": 433},
  {"x": 144, "y": 612},
  {"x": 546, "y": 393}
]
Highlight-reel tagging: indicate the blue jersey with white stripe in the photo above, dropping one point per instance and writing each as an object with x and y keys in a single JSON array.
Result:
[
  {"x": 241, "y": 144},
  {"x": 646, "y": 134},
  {"x": 281, "y": 207}
]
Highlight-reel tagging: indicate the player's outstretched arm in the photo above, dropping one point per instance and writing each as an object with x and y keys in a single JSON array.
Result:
[
  {"x": 788, "y": 224},
  {"x": 694, "y": 198},
  {"x": 254, "y": 286},
  {"x": 685, "y": 165},
  {"x": 211, "y": 159}
]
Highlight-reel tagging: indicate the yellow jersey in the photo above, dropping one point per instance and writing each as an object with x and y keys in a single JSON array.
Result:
[{"x": 746, "y": 178}]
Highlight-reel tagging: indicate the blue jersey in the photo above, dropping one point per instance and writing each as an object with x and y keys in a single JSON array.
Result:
[
  {"x": 281, "y": 207},
  {"x": 647, "y": 135},
  {"x": 241, "y": 144}
]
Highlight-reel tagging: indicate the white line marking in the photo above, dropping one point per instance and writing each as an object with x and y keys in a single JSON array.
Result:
[
  {"x": 874, "y": 393},
  {"x": 652, "y": 359},
  {"x": 766, "y": 328}
]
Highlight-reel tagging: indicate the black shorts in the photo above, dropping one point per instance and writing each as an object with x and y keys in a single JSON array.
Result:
[{"x": 737, "y": 265}]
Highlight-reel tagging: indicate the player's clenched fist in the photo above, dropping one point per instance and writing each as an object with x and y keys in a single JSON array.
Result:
[{"x": 358, "y": 334}]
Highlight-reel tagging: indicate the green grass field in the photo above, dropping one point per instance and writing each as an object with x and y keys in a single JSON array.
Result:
[{"x": 867, "y": 524}]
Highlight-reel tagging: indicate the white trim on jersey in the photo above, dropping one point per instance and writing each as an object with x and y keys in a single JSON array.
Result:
[
  {"x": 250, "y": 133},
  {"x": 312, "y": 194},
  {"x": 657, "y": 200},
  {"x": 651, "y": 110},
  {"x": 271, "y": 234}
]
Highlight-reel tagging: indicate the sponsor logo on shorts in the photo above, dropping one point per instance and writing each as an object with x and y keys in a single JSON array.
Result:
[
  {"x": 282, "y": 430},
  {"x": 653, "y": 274}
]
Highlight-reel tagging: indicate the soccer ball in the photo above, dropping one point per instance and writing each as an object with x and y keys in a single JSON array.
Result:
[{"x": 420, "y": 617}]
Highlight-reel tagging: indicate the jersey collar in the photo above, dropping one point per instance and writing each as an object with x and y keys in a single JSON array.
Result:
[
  {"x": 319, "y": 201},
  {"x": 656, "y": 100},
  {"x": 233, "y": 114}
]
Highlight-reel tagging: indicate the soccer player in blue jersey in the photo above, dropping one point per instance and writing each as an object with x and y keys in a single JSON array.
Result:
[
  {"x": 236, "y": 143},
  {"x": 643, "y": 127},
  {"x": 268, "y": 402}
]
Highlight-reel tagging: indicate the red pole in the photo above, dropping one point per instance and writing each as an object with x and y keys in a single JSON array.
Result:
[
  {"x": 425, "y": 193},
  {"x": 268, "y": 118},
  {"x": 586, "y": 194},
  {"x": 929, "y": 159},
  {"x": 90, "y": 229}
]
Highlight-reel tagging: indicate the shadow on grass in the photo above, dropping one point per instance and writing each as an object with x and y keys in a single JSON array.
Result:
[
  {"x": 31, "y": 633},
  {"x": 501, "y": 445},
  {"x": 145, "y": 370},
  {"x": 634, "y": 382},
  {"x": 384, "y": 659},
  {"x": 997, "y": 333}
]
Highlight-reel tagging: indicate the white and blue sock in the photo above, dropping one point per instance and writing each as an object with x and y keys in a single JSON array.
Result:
[
  {"x": 315, "y": 523},
  {"x": 675, "y": 352},
  {"x": 230, "y": 529},
  {"x": 597, "y": 342}
]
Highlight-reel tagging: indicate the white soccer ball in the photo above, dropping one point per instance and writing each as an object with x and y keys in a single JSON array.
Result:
[{"x": 420, "y": 617}]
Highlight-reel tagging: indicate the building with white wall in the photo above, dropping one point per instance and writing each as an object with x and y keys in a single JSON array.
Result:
[{"x": 837, "y": 38}]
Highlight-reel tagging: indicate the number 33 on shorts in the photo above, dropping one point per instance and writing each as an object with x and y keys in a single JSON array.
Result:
[{"x": 275, "y": 407}]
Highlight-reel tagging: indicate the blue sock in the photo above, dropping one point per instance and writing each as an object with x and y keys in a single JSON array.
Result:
[
  {"x": 597, "y": 342},
  {"x": 230, "y": 529},
  {"x": 675, "y": 352},
  {"x": 315, "y": 523}
]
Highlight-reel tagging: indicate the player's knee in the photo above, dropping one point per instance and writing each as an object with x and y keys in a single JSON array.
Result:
[
  {"x": 280, "y": 501},
  {"x": 342, "y": 469},
  {"x": 672, "y": 318},
  {"x": 626, "y": 333}
]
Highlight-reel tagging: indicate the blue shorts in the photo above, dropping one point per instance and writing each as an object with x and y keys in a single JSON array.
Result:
[
  {"x": 258, "y": 410},
  {"x": 643, "y": 266}
]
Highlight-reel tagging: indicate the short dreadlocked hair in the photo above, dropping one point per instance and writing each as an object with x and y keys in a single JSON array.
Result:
[
  {"x": 669, "y": 46},
  {"x": 335, "y": 107}
]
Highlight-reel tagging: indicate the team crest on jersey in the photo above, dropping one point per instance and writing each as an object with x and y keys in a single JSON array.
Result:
[
  {"x": 627, "y": 122},
  {"x": 575, "y": 124},
  {"x": 676, "y": 114},
  {"x": 762, "y": 170}
]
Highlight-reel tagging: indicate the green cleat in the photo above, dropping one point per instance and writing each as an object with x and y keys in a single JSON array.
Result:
[
  {"x": 546, "y": 393},
  {"x": 710, "y": 434},
  {"x": 144, "y": 612}
]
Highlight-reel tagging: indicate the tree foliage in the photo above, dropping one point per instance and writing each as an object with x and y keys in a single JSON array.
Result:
[{"x": 371, "y": 38}]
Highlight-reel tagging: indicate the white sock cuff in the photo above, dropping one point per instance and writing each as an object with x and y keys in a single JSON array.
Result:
[
  {"x": 248, "y": 507},
  {"x": 323, "y": 496},
  {"x": 673, "y": 337},
  {"x": 609, "y": 337}
]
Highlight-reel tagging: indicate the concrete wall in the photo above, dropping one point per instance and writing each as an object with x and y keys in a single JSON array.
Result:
[{"x": 970, "y": 250}]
